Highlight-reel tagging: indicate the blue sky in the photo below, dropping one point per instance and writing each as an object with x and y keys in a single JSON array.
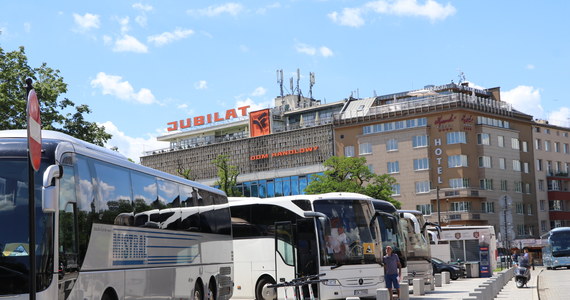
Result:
[{"x": 142, "y": 64}]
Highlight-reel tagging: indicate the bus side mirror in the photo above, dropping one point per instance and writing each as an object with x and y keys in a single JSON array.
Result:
[{"x": 49, "y": 191}]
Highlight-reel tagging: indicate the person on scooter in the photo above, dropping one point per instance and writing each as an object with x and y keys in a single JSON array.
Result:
[{"x": 524, "y": 260}]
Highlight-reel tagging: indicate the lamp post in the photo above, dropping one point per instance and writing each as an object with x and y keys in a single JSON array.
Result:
[{"x": 438, "y": 206}]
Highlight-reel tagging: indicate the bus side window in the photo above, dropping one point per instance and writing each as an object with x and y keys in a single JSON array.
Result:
[
  {"x": 145, "y": 192},
  {"x": 187, "y": 196},
  {"x": 168, "y": 193}
]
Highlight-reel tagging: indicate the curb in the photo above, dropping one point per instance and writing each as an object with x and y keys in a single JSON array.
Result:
[{"x": 538, "y": 283}]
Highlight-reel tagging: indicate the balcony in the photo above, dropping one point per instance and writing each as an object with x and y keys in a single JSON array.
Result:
[{"x": 471, "y": 217}]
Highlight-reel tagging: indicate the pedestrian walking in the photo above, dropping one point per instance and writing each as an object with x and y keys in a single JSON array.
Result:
[{"x": 392, "y": 272}]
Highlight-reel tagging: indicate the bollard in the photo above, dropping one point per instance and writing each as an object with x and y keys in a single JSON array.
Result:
[
  {"x": 477, "y": 295},
  {"x": 382, "y": 294},
  {"x": 484, "y": 292},
  {"x": 432, "y": 284},
  {"x": 419, "y": 287},
  {"x": 404, "y": 291},
  {"x": 445, "y": 276},
  {"x": 438, "y": 279}
]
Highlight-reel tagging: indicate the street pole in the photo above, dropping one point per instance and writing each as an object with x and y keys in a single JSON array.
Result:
[{"x": 438, "y": 206}]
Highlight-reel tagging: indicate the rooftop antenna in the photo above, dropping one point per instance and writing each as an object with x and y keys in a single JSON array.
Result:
[
  {"x": 298, "y": 79},
  {"x": 461, "y": 77},
  {"x": 291, "y": 85},
  {"x": 280, "y": 80},
  {"x": 311, "y": 83}
]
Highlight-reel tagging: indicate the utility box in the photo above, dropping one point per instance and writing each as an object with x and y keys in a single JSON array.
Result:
[{"x": 472, "y": 269}]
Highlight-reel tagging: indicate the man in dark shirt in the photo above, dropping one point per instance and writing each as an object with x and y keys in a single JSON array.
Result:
[{"x": 392, "y": 271}]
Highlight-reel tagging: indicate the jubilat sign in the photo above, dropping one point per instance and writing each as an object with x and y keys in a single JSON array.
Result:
[
  {"x": 207, "y": 119},
  {"x": 284, "y": 153}
]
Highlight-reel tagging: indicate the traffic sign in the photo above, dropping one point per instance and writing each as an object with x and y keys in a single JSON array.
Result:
[{"x": 34, "y": 130}]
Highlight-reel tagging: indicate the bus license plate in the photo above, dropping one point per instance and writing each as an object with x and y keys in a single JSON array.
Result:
[{"x": 360, "y": 292}]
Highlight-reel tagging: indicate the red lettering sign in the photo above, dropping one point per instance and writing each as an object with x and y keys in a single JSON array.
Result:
[{"x": 207, "y": 119}]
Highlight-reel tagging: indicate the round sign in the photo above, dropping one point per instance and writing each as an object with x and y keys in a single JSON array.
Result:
[{"x": 34, "y": 130}]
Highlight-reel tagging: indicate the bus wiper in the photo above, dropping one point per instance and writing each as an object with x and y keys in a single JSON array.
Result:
[{"x": 338, "y": 265}]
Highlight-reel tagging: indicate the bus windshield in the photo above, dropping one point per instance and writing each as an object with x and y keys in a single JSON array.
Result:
[
  {"x": 417, "y": 246},
  {"x": 560, "y": 242},
  {"x": 392, "y": 236},
  {"x": 14, "y": 236},
  {"x": 345, "y": 237}
]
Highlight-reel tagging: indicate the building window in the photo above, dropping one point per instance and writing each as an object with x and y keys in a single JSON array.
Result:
[
  {"x": 456, "y": 183},
  {"x": 349, "y": 151},
  {"x": 426, "y": 209},
  {"x": 501, "y": 141},
  {"x": 365, "y": 148},
  {"x": 519, "y": 208},
  {"x": 504, "y": 185},
  {"x": 486, "y": 184},
  {"x": 456, "y": 161},
  {"x": 392, "y": 145},
  {"x": 541, "y": 185},
  {"x": 556, "y": 147},
  {"x": 539, "y": 164},
  {"x": 484, "y": 162},
  {"x": 516, "y": 165},
  {"x": 547, "y": 130},
  {"x": 543, "y": 227},
  {"x": 518, "y": 186},
  {"x": 546, "y": 145},
  {"x": 457, "y": 137},
  {"x": 488, "y": 207},
  {"x": 542, "y": 204},
  {"x": 396, "y": 189},
  {"x": 525, "y": 167},
  {"x": 421, "y": 164},
  {"x": 524, "y": 146},
  {"x": 393, "y": 167},
  {"x": 537, "y": 144},
  {"x": 371, "y": 168},
  {"x": 555, "y": 205},
  {"x": 422, "y": 187},
  {"x": 566, "y": 149},
  {"x": 529, "y": 209},
  {"x": 419, "y": 141},
  {"x": 483, "y": 139},
  {"x": 502, "y": 163},
  {"x": 527, "y": 188},
  {"x": 460, "y": 206},
  {"x": 515, "y": 143}
]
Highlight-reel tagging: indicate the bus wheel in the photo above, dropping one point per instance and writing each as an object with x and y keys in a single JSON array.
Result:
[
  {"x": 262, "y": 292},
  {"x": 198, "y": 291},
  {"x": 109, "y": 294},
  {"x": 212, "y": 290}
]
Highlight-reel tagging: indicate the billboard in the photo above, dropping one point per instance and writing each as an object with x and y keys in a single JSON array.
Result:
[{"x": 259, "y": 123}]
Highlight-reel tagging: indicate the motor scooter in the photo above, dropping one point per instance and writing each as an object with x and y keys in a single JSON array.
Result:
[{"x": 522, "y": 275}]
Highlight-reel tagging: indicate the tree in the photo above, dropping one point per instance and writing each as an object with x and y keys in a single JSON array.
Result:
[
  {"x": 227, "y": 175},
  {"x": 49, "y": 85},
  {"x": 350, "y": 174}
]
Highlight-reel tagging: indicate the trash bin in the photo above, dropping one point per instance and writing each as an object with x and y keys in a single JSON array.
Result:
[{"x": 472, "y": 269}]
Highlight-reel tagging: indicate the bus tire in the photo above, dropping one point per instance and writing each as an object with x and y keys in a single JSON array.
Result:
[
  {"x": 262, "y": 292},
  {"x": 109, "y": 294},
  {"x": 198, "y": 291},
  {"x": 212, "y": 295}
]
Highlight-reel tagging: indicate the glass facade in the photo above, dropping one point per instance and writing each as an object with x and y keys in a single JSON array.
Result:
[{"x": 282, "y": 186}]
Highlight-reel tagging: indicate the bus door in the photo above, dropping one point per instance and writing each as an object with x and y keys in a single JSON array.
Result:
[
  {"x": 284, "y": 254},
  {"x": 307, "y": 251}
]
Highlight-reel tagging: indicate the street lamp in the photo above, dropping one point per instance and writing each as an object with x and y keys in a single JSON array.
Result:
[{"x": 438, "y": 206}]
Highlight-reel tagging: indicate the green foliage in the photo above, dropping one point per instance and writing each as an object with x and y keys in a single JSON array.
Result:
[
  {"x": 350, "y": 174},
  {"x": 49, "y": 85},
  {"x": 227, "y": 176}
]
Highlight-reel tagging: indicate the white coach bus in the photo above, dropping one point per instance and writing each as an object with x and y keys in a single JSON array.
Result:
[
  {"x": 278, "y": 239},
  {"x": 107, "y": 228}
]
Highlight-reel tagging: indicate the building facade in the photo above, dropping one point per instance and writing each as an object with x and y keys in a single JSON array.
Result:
[{"x": 460, "y": 155}]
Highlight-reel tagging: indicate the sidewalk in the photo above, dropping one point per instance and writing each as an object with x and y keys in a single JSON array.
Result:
[
  {"x": 530, "y": 292},
  {"x": 456, "y": 289}
]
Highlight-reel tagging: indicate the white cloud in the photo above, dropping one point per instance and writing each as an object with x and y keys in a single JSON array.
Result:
[
  {"x": 201, "y": 85},
  {"x": 115, "y": 86},
  {"x": 230, "y": 8},
  {"x": 263, "y": 10},
  {"x": 431, "y": 9},
  {"x": 349, "y": 17},
  {"x": 252, "y": 105},
  {"x": 169, "y": 37},
  {"x": 243, "y": 48},
  {"x": 142, "y": 7},
  {"x": 86, "y": 22},
  {"x": 526, "y": 99},
  {"x": 259, "y": 91},
  {"x": 129, "y": 43},
  {"x": 131, "y": 147},
  {"x": 561, "y": 117},
  {"x": 141, "y": 20},
  {"x": 530, "y": 67},
  {"x": 312, "y": 51},
  {"x": 124, "y": 22}
]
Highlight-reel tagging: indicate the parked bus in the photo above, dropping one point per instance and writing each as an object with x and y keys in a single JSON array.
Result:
[
  {"x": 556, "y": 253},
  {"x": 107, "y": 228},
  {"x": 418, "y": 251},
  {"x": 278, "y": 239},
  {"x": 392, "y": 232}
]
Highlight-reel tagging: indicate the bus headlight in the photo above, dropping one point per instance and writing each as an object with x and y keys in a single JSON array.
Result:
[{"x": 331, "y": 282}]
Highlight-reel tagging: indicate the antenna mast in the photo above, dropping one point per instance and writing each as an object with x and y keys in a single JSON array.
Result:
[
  {"x": 311, "y": 83},
  {"x": 280, "y": 81}
]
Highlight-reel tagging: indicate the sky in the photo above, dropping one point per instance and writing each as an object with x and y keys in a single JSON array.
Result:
[{"x": 141, "y": 64}]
